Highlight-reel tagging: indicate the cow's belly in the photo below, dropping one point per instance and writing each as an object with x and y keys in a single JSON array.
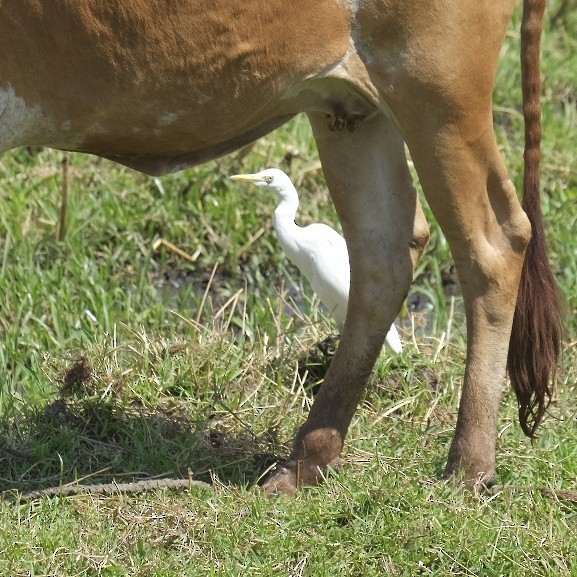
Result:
[
  {"x": 156, "y": 138},
  {"x": 159, "y": 91},
  {"x": 166, "y": 140}
]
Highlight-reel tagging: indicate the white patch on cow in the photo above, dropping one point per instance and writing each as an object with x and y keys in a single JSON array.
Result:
[
  {"x": 352, "y": 5},
  {"x": 21, "y": 124},
  {"x": 357, "y": 40},
  {"x": 169, "y": 118}
]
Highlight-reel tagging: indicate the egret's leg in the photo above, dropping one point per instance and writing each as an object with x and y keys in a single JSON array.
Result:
[{"x": 370, "y": 184}]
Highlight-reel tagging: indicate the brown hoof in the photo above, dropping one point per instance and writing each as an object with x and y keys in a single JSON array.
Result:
[
  {"x": 281, "y": 482},
  {"x": 479, "y": 483},
  {"x": 292, "y": 476},
  {"x": 315, "y": 451}
]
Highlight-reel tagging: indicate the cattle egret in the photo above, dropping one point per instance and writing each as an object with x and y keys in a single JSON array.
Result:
[{"x": 319, "y": 252}]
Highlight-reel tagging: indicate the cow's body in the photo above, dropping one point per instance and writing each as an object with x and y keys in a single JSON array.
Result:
[{"x": 159, "y": 85}]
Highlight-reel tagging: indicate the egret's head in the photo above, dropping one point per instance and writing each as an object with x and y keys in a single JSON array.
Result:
[{"x": 272, "y": 178}]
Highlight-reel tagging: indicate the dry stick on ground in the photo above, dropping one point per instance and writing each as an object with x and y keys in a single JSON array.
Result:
[
  {"x": 115, "y": 488},
  {"x": 61, "y": 229},
  {"x": 163, "y": 242},
  {"x": 183, "y": 484}
]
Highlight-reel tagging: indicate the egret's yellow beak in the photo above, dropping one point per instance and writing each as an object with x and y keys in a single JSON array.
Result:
[{"x": 254, "y": 178}]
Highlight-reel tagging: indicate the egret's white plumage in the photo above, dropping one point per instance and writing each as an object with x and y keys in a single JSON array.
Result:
[{"x": 317, "y": 250}]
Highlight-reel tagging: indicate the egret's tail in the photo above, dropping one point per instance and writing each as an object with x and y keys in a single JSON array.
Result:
[{"x": 394, "y": 340}]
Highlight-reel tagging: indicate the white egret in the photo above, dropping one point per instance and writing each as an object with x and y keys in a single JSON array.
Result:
[{"x": 317, "y": 250}]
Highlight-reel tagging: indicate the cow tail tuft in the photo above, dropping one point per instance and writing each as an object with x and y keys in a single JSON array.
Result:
[{"x": 537, "y": 333}]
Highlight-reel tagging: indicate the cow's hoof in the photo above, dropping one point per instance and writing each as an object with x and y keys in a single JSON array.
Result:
[
  {"x": 316, "y": 451},
  {"x": 480, "y": 483},
  {"x": 292, "y": 476},
  {"x": 282, "y": 482}
]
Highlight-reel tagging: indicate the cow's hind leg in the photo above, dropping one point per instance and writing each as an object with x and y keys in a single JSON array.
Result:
[
  {"x": 453, "y": 146},
  {"x": 367, "y": 174},
  {"x": 488, "y": 233}
]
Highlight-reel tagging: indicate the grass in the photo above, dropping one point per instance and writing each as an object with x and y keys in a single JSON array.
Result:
[{"x": 119, "y": 361}]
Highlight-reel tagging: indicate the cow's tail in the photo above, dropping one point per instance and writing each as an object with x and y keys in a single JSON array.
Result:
[{"x": 537, "y": 333}]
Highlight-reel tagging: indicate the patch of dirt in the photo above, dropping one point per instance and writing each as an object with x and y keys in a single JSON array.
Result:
[{"x": 76, "y": 378}]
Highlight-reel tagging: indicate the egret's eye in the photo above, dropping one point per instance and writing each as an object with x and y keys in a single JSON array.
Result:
[{"x": 268, "y": 179}]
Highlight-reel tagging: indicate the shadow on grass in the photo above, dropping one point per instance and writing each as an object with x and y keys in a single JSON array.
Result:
[
  {"x": 95, "y": 441},
  {"x": 99, "y": 431}
]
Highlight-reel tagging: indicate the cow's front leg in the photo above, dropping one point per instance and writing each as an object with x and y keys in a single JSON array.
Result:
[{"x": 370, "y": 184}]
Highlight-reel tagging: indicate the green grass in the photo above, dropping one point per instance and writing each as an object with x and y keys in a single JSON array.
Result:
[{"x": 114, "y": 365}]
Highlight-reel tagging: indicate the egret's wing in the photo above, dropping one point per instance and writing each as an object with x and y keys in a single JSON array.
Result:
[
  {"x": 328, "y": 268},
  {"x": 324, "y": 261}
]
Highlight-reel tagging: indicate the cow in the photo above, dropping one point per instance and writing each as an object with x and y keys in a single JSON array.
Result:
[{"x": 160, "y": 85}]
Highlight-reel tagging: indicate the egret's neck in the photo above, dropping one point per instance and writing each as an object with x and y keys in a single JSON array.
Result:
[{"x": 284, "y": 223}]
